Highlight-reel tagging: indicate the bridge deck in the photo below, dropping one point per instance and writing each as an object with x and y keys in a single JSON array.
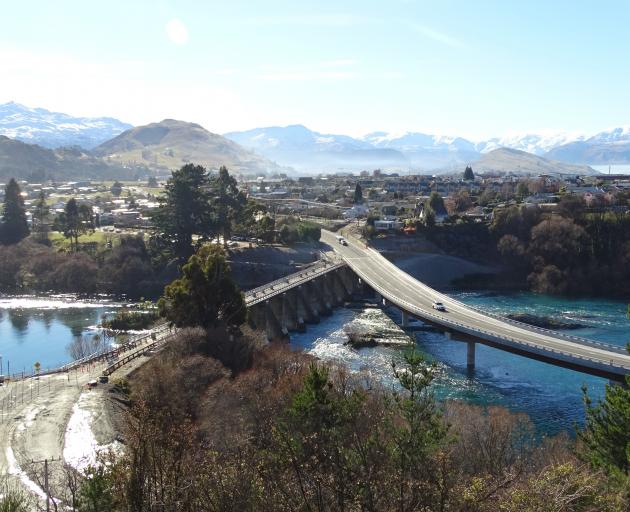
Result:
[
  {"x": 284, "y": 284},
  {"x": 416, "y": 298}
]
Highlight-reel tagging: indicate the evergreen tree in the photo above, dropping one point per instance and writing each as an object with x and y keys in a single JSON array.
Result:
[
  {"x": 116, "y": 189},
  {"x": 468, "y": 173},
  {"x": 435, "y": 203},
  {"x": 184, "y": 211},
  {"x": 205, "y": 295},
  {"x": 41, "y": 215},
  {"x": 227, "y": 202},
  {"x": 74, "y": 221},
  {"x": 606, "y": 435},
  {"x": 14, "y": 226},
  {"x": 358, "y": 194}
]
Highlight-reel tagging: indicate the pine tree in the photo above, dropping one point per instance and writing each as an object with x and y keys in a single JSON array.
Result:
[
  {"x": 205, "y": 295},
  {"x": 227, "y": 201},
  {"x": 468, "y": 173},
  {"x": 75, "y": 220},
  {"x": 606, "y": 434},
  {"x": 184, "y": 211},
  {"x": 14, "y": 226},
  {"x": 358, "y": 194},
  {"x": 40, "y": 218}
]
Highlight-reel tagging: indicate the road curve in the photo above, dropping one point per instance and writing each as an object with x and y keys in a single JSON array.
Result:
[{"x": 416, "y": 298}]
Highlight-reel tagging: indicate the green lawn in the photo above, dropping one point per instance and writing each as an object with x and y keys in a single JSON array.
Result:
[{"x": 61, "y": 242}]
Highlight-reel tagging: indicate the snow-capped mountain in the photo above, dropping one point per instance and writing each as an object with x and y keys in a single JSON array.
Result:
[
  {"x": 299, "y": 147},
  {"x": 54, "y": 129},
  {"x": 607, "y": 147},
  {"x": 424, "y": 150},
  {"x": 535, "y": 143},
  {"x": 620, "y": 134}
]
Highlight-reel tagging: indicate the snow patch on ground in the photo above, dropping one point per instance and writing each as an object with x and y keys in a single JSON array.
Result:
[
  {"x": 81, "y": 449},
  {"x": 15, "y": 470}
]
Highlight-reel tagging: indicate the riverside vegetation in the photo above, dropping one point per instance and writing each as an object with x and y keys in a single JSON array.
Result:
[
  {"x": 219, "y": 421},
  {"x": 575, "y": 251},
  {"x": 196, "y": 207}
]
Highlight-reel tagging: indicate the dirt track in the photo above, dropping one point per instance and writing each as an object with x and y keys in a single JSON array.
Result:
[{"x": 35, "y": 421}]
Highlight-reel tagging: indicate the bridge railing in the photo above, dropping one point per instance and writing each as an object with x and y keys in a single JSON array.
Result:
[
  {"x": 550, "y": 332},
  {"x": 279, "y": 285},
  {"x": 490, "y": 336},
  {"x": 106, "y": 352},
  {"x": 136, "y": 353}
]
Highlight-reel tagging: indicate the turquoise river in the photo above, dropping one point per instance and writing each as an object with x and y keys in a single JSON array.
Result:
[{"x": 40, "y": 329}]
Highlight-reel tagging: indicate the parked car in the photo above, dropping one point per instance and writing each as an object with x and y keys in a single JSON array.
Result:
[{"x": 438, "y": 306}]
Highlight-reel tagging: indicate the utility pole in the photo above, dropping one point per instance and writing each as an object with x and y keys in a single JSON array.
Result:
[{"x": 46, "y": 489}]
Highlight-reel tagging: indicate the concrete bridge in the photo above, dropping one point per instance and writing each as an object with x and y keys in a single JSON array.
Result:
[{"x": 290, "y": 303}]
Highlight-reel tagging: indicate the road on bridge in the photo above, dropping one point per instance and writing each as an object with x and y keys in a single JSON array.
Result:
[{"x": 416, "y": 298}]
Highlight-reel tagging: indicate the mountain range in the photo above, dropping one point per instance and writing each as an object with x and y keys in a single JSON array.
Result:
[
  {"x": 54, "y": 129},
  {"x": 305, "y": 149},
  {"x": 169, "y": 144}
]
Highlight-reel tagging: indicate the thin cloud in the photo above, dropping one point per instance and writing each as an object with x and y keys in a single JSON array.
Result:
[
  {"x": 339, "y": 63},
  {"x": 304, "y": 76},
  {"x": 324, "y": 20},
  {"x": 435, "y": 35}
]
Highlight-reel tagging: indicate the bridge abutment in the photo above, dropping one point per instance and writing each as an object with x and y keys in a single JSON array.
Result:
[{"x": 404, "y": 318}]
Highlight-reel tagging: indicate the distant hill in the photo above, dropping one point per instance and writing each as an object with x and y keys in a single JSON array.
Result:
[
  {"x": 54, "y": 129},
  {"x": 34, "y": 163},
  {"x": 608, "y": 147},
  {"x": 514, "y": 161},
  {"x": 308, "y": 150},
  {"x": 169, "y": 144}
]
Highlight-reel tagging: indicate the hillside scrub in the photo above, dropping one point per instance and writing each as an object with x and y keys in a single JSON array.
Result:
[
  {"x": 292, "y": 230},
  {"x": 289, "y": 433}
]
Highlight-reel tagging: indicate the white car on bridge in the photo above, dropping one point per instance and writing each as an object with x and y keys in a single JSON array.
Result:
[{"x": 438, "y": 306}]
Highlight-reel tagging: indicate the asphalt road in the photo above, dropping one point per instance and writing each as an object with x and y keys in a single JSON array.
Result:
[{"x": 416, "y": 298}]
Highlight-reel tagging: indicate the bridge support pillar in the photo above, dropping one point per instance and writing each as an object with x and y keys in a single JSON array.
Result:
[
  {"x": 289, "y": 313},
  {"x": 305, "y": 311},
  {"x": 405, "y": 318},
  {"x": 349, "y": 281},
  {"x": 316, "y": 290},
  {"x": 470, "y": 355},
  {"x": 273, "y": 327},
  {"x": 379, "y": 299},
  {"x": 257, "y": 316}
]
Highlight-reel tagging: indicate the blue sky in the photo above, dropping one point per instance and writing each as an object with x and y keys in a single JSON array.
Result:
[{"x": 469, "y": 68}]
